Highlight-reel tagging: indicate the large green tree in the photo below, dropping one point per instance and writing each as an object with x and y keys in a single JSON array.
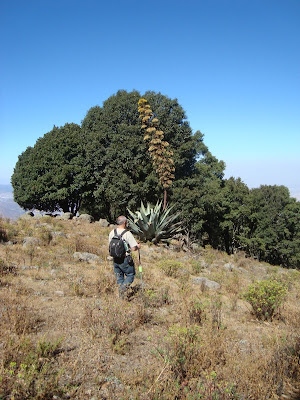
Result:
[
  {"x": 273, "y": 232},
  {"x": 53, "y": 175},
  {"x": 123, "y": 173}
]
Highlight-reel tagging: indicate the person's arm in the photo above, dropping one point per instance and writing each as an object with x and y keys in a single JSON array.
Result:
[
  {"x": 138, "y": 246},
  {"x": 134, "y": 245}
]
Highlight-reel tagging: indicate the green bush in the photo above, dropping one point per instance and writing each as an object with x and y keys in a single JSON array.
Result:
[{"x": 266, "y": 297}]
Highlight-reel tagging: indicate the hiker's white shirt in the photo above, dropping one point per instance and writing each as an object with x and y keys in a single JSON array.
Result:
[{"x": 128, "y": 236}]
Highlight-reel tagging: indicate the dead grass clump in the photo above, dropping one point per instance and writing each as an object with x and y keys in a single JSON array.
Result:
[
  {"x": 115, "y": 321},
  {"x": 77, "y": 287},
  {"x": 82, "y": 246},
  {"x": 106, "y": 283},
  {"x": 291, "y": 316},
  {"x": 191, "y": 358},
  {"x": 17, "y": 317},
  {"x": 6, "y": 269},
  {"x": 286, "y": 361},
  {"x": 45, "y": 235},
  {"x": 233, "y": 286},
  {"x": 3, "y": 235}
]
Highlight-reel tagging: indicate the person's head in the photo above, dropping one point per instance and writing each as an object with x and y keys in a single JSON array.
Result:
[{"x": 121, "y": 221}]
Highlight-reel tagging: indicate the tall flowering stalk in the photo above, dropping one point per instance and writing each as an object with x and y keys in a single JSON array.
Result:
[{"x": 159, "y": 149}]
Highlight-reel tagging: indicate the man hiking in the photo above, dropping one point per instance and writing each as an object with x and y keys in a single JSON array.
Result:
[{"x": 121, "y": 243}]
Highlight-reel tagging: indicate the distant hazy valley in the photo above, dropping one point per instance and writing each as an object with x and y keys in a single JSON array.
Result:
[{"x": 8, "y": 208}]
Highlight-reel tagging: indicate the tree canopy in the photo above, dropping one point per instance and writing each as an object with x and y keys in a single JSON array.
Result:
[{"x": 104, "y": 167}]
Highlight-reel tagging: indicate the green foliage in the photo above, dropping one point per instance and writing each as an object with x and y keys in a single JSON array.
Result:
[
  {"x": 170, "y": 267},
  {"x": 272, "y": 231},
  {"x": 154, "y": 224},
  {"x": 266, "y": 297},
  {"x": 233, "y": 223},
  {"x": 30, "y": 372},
  {"x": 53, "y": 174},
  {"x": 197, "y": 196}
]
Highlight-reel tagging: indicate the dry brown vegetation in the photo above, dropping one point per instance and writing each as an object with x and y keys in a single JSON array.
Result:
[{"x": 65, "y": 334}]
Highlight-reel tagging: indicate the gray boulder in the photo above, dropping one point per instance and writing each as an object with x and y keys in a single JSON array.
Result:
[
  {"x": 196, "y": 247},
  {"x": 212, "y": 285},
  {"x": 89, "y": 257},
  {"x": 229, "y": 266},
  {"x": 86, "y": 218},
  {"x": 103, "y": 223},
  {"x": 66, "y": 216},
  {"x": 30, "y": 241}
]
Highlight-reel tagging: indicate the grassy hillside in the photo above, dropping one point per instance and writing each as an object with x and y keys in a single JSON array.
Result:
[{"x": 65, "y": 334}]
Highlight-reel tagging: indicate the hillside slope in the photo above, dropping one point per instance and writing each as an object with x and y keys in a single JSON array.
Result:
[{"x": 65, "y": 334}]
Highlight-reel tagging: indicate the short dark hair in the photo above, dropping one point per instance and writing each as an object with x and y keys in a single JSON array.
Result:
[{"x": 121, "y": 219}]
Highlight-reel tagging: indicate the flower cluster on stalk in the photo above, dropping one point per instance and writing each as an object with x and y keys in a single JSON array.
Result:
[{"x": 159, "y": 149}]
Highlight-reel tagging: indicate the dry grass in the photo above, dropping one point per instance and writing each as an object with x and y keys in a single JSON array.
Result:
[{"x": 65, "y": 334}]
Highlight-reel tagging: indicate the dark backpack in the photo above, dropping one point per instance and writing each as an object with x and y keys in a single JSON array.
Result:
[{"x": 116, "y": 245}]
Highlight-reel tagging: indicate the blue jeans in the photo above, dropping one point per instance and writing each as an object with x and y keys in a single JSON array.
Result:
[{"x": 122, "y": 268}]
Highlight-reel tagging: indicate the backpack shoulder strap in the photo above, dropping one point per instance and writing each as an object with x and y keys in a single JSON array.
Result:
[{"x": 125, "y": 230}]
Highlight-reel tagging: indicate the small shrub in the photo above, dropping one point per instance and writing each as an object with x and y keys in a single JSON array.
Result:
[
  {"x": 182, "y": 349},
  {"x": 155, "y": 297},
  {"x": 266, "y": 297},
  {"x": 197, "y": 266},
  {"x": 46, "y": 235},
  {"x": 31, "y": 252},
  {"x": 170, "y": 267},
  {"x": 197, "y": 312},
  {"x": 30, "y": 372},
  {"x": 209, "y": 255},
  {"x": 77, "y": 288}
]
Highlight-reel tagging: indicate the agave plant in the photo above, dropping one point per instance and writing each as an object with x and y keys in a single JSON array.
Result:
[{"x": 154, "y": 224}]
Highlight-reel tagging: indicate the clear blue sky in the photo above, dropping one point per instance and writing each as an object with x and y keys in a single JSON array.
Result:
[{"x": 233, "y": 65}]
